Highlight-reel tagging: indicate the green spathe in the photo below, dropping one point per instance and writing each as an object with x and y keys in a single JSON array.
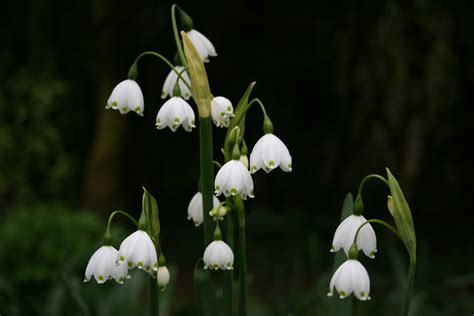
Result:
[
  {"x": 150, "y": 209},
  {"x": 197, "y": 73},
  {"x": 401, "y": 213}
]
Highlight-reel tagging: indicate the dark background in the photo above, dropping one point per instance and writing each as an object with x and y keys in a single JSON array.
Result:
[{"x": 351, "y": 87}]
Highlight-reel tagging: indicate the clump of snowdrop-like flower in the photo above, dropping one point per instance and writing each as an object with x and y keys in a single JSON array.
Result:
[
  {"x": 126, "y": 96},
  {"x": 175, "y": 112},
  {"x": 202, "y": 44},
  {"x": 171, "y": 80},
  {"x": 234, "y": 179},
  {"x": 345, "y": 234},
  {"x": 102, "y": 266},
  {"x": 221, "y": 111},
  {"x": 138, "y": 250},
  {"x": 351, "y": 277},
  {"x": 195, "y": 208},
  {"x": 268, "y": 153},
  {"x": 163, "y": 277},
  {"x": 218, "y": 255}
]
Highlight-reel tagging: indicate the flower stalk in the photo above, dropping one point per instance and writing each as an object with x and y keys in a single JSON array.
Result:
[{"x": 229, "y": 275}]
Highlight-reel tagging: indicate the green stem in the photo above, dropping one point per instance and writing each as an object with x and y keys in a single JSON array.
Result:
[
  {"x": 376, "y": 221},
  {"x": 123, "y": 213},
  {"x": 163, "y": 58},
  {"x": 207, "y": 174},
  {"x": 410, "y": 282},
  {"x": 370, "y": 176},
  {"x": 154, "y": 303},
  {"x": 240, "y": 211},
  {"x": 177, "y": 39},
  {"x": 229, "y": 275},
  {"x": 257, "y": 100}
]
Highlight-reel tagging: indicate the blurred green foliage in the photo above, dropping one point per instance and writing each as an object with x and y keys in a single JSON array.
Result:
[
  {"x": 37, "y": 164},
  {"x": 37, "y": 244}
]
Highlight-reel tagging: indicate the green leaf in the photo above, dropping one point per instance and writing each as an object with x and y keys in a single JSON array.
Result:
[
  {"x": 343, "y": 307},
  {"x": 150, "y": 207},
  {"x": 398, "y": 207},
  {"x": 208, "y": 304},
  {"x": 237, "y": 120}
]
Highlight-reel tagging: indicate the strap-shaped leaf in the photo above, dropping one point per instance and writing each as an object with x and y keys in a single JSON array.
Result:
[
  {"x": 208, "y": 304},
  {"x": 238, "y": 120},
  {"x": 150, "y": 207},
  {"x": 343, "y": 307},
  {"x": 401, "y": 213}
]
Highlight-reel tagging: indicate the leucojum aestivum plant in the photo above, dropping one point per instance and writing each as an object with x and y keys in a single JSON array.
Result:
[
  {"x": 355, "y": 233},
  {"x": 233, "y": 180},
  {"x": 142, "y": 249}
]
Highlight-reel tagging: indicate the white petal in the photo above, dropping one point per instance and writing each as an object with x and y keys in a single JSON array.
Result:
[
  {"x": 163, "y": 276},
  {"x": 210, "y": 50},
  {"x": 169, "y": 83},
  {"x": 360, "y": 280},
  {"x": 221, "y": 179},
  {"x": 343, "y": 283},
  {"x": 367, "y": 241}
]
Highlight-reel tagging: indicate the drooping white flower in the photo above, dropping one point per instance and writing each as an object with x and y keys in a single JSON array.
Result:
[
  {"x": 234, "y": 179},
  {"x": 202, "y": 44},
  {"x": 268, "y": 153},
  {"x": 102, "y": 266},
  {"x": 195, "y": 208},
  {"x": 163, "y": 277},
  {"x": 170, "y": 82},
  {"x": 138, "y": 250},
  {"x": 175, "y": 112},
  {"x": 218, "y": 255},
  {"x": 345, "y": 233},
  {"x": 126, "y": 96},
  {"x": 351, "y": 277},
  {"x": 221, "y": 111}
]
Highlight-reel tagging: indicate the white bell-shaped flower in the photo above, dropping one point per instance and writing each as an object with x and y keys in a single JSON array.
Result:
[
  {"x": 102, "y": 266},
  {"x": 163, "y": 277},
  {"x": 195, "y": 208},
  {"x": 351, "y": 277},
  {"x": 170, "y": 82},
  {"x": 175, "y": 112},
  {"x": 345, "y": 233},
  {"x": 268, "y": 153},
  {"x": 138, "y": 250},
  {"x": 126, "y": 96},
  {"x": 202, "y": 44},
  {"x": 218, "y": 255},
  {"x": 221, "y": 111},
  {"x": 234, "y": 179}
]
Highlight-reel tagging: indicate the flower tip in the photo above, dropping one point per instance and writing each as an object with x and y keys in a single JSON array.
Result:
[{"x": 329, "y": 294}]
